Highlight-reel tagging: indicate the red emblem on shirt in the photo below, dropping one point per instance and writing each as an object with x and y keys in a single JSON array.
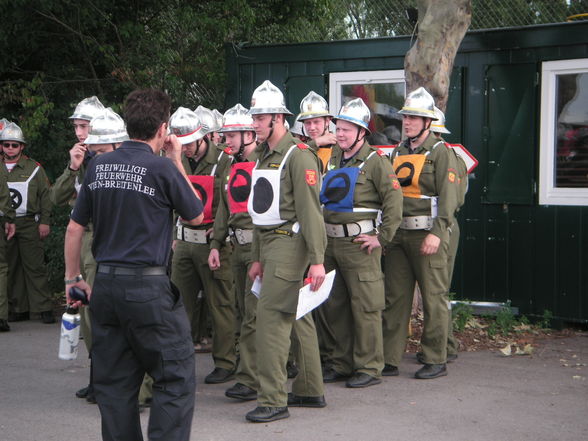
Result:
[
  {"x": 311, "y": 177},
  {"x": 302, "y": 146},
  {"x": 395, "y": 184}
]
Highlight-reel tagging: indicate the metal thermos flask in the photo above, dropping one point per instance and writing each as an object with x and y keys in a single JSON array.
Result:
[{"x": 70, "y": 334}]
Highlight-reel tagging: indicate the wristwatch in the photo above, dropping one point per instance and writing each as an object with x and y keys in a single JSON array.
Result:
[{"x": 76, "y": 279}]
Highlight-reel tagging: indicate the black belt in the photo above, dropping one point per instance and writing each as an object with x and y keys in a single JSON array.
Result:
[{"x": 138, "y": 271}]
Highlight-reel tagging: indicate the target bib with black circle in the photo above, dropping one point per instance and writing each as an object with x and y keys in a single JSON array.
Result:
[
  {"x": 338, "y": 190},
  {"x": 239, "y": 186},
  {"x": 264, "y": 203},
  {"x": 19, "y": 193}
]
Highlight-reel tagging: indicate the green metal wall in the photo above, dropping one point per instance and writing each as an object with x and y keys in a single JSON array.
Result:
[{"x": 511, "y": 248}]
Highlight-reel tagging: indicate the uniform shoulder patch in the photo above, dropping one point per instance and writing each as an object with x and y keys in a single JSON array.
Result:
[
  {"x": 380, "y": 152},
  {"x": 302, "y": 146},
  {"x": 310, "y": 177},
  {"x": 451, "y": 175},
  {"x": 227, "y": 150}
]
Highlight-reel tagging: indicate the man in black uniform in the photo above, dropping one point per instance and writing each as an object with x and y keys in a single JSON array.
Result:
[{"x": 139, "y": 323}]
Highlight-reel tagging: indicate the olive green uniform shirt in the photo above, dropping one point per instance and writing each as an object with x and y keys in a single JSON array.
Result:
[
  {"x": 38, "y": 189},
  {"x": 223, "y": 219},
  {"x": 299, "y": 199},
  {"x": 6, "y": 211},
  {"x": 64, "y": 192},
  {"x": 438, "y": 178},
  {"x": 376, "y": 187}
]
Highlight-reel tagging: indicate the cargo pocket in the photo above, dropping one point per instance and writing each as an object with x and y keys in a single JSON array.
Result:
[
  {"x": 285, "y": 297},
  {"x": 178, "y": 369},
  {"x": 373, "y": 298},
  {"x": 144, "y": 305}
]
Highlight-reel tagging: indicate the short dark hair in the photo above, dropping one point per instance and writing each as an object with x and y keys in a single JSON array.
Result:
[{"x": 144, "y": 111}]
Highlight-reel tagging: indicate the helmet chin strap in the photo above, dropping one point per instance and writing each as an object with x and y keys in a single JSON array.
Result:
[
  {"x": 239, "y": 154},
  {"x": 12, "y": 157},
  {"x": 271, "y": 126},
  {"x": 357, "y": 139},
  {"x": 425, "y": 127}
]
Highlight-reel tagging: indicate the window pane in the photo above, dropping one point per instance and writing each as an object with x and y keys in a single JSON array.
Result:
[
  {"x": 572, "y": 131},
  {"x": 384, "y": 100}
]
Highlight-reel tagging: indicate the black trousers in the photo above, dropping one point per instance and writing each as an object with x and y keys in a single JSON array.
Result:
[{"x": 140, "y": 326}]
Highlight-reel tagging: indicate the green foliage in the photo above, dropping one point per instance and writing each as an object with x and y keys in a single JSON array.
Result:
[
  {"x": 545, "y": 321},
  {"x": 505, "y": 319},
  {"x": 462, "y": 313}
]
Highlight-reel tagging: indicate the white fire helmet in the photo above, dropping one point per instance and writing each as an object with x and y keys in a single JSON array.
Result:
[
  {"x": 267, "y": 98},
  {"x": 356, "y": 112},
  {"x": 439, "y": 125},
  {"x": 237, "y": 119},
  {"x": 419, "y": 102},
  {"x": 107, "y": 128},
  {"x": 185, "y": 124},
  {"x": 313, "y": 106},
  {"x": 88, "y": 109},
  {"x": 12, "y": 132}
]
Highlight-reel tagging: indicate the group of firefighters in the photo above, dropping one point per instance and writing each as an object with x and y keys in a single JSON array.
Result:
[{"x": 279, "y": 210}]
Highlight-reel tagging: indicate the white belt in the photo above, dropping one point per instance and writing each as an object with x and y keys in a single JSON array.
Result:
[
  {"x": 417, "y": 223},
  {"x": 243, "y": 237},
  {"x": 192, "y": 236},
  {"x": 351, "y": 229}
]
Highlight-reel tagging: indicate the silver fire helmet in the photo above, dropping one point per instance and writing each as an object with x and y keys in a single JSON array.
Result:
[
  {"x": 12, "y": 132},
  {"x": 207, "y": 119},
  {"x": 88, "y": 109},
  {"x": 439, "y": 125},
  {"x": 237, "y": 119},
  {"x": 356, "y": 112},
  {"x": 419, "y": 102},
  {"x": 107, "y": 128},
  {"x": 267, "y": 98},
  {"x": 313, "y": 106},
  {"x": 185, "y": 124}
]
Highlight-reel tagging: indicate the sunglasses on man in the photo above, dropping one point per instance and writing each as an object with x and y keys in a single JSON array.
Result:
[{"x": 14, "y": 145}]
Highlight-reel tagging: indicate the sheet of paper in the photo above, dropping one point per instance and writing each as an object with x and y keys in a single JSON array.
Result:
[
  {"x": 308, "y": 300},
  {"x": 256, "y": 287}
]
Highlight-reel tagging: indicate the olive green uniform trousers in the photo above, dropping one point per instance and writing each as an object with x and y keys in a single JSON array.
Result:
[
  {"x": 354, "y": 307},
  {"x": 404, "y": 265},
  {"x": 89, "y": 272},
  {"x": 3, "y": 278},
  {"x": 247, "y": 302},
  {"x": 26, "y": 252},
  {"x": 284, "y": 260},
  {"x": 452, "y": 343},
  {"x": 191, "y": 273}
]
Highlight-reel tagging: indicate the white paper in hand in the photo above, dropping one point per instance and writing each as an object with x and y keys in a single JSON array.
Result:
[
  {"x": 308, "y": 300},
  {"x": 256, "y": 287}
]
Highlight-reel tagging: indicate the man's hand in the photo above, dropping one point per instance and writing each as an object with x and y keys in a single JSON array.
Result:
[
  {"x": 326, "y": 139},
  {"x": 214, "y": 259},
  {"x": 44, "y": 231},
  {"x": 9, "y": 230},
  {"x": 76, "y": 156},
  {"x": 255, "y": 270},
  {"x": 84, "y": 287},
  {"x": 316, "y": 274},
  {"x": 173, "y": 148},
  {"x": 368, "y": 242},
  {"x": 430, "y": 245}
]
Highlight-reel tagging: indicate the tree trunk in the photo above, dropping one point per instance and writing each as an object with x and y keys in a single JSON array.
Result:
[{"x": 441, "y": 27}]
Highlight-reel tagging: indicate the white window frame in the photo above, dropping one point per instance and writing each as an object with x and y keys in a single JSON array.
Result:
[{"x": 549, "y": 194}]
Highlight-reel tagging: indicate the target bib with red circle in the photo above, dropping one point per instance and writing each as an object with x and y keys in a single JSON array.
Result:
[
  {"x": 239, "y": 186},
  {"x": 204, "y": 186}
]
